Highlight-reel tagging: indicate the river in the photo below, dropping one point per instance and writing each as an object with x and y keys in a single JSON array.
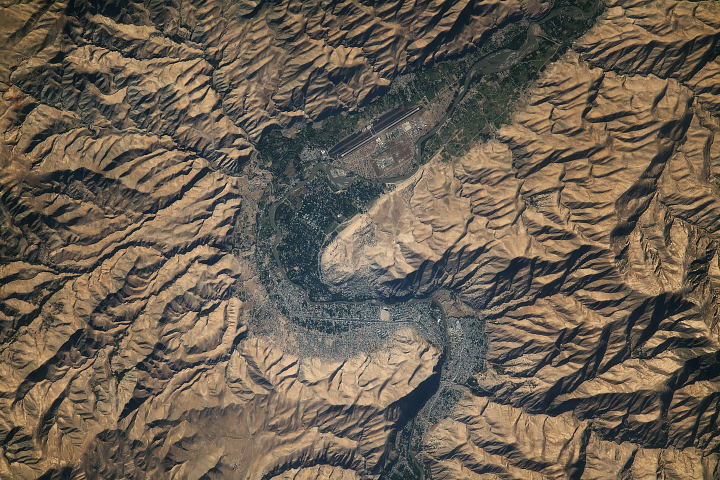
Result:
[{"x": 494, "y": 62}]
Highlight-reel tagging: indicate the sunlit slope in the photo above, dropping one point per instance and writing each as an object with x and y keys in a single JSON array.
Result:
[
  {"x": 215, "y": 75},
  {"x": 586, "y": 237},
  {"x": 124, "y": 317}
]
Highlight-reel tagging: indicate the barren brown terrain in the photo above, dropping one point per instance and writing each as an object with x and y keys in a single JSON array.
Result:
[{"x": 584, "y": 236}]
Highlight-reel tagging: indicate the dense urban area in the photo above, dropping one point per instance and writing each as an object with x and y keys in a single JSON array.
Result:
[
  {"x": 387, "y": 240},
  {"x": 326, "y": 174}
]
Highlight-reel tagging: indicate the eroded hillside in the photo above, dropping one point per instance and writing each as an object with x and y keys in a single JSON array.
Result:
[
  {"x": 586, "y": 237},
  {"x": 125, "y": 349},
  {"x": 215, "y": 75},
  {"x": 126, "y": 166}
]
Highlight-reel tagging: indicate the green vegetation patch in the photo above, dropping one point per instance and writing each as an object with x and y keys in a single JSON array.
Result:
[
  {"x": 315, "y": 214},
  {"x": 281, "y": 151},
  {"x": 491, "y": 98},
  {"x": 305, "y": 229}
]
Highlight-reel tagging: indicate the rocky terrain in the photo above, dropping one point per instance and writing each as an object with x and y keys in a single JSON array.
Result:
[
  {"x": 215, "y": 75},
  {"x": 126, "y": 352},
  {"x": 126, "y": 170},
  {"x": 586, "y": 238}
]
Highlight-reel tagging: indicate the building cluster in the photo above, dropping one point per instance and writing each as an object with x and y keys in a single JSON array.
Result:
[
  {"x": 387, "y": 149},
  {"x": 338, "y": 330}
]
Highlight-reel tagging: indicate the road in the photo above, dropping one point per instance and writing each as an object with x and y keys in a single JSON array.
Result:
[{"x": 491, "y": 63}]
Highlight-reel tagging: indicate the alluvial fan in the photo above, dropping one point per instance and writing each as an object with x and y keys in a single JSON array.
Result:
[
  {"x": 586, "y": 237},
  {"x": 126, "y": 162}
]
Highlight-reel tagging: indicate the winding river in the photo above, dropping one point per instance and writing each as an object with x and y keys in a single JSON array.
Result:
[{"x": 494, "y": 62}]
